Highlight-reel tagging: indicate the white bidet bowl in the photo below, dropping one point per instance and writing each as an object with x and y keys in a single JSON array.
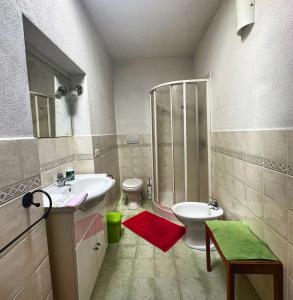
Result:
[{"x": 193, "y": 215}]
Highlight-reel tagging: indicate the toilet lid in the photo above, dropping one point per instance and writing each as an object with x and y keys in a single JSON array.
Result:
[{"x": 132, "y": 183}]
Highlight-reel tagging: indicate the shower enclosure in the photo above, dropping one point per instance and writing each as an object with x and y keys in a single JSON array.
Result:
[{"x": 179, "y": 117}]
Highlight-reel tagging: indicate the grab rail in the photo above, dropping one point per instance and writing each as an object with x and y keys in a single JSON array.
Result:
[{"x": 27, "y": 201}]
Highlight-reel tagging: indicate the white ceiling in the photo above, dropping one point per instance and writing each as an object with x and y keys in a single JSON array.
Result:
[{"x": 151, "y": 28}]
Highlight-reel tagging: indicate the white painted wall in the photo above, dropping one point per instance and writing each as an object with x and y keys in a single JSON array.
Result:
[
  {"x": 252, "y": 83},
  {"x": 67, "y": 24},
  {"x": 133, "y": 80}
]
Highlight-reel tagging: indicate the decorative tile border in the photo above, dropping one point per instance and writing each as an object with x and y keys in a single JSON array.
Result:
[
  {"x": 256, "y": 160},
  {"x": 14, "y": 190},
  {"x": 134, "y": 145},
  {"x": 82, "y": 156},
  {"x": 53, "y": 164}
]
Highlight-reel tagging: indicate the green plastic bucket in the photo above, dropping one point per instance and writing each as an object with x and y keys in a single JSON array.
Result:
[{"x": 114, "y": 226}]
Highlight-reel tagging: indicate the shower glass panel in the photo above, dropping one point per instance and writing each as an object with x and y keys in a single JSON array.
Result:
[
  {"x": 164, "y": 146},
  {"x": 191, "y": 149},
  {"x": 179, "y": 142}
]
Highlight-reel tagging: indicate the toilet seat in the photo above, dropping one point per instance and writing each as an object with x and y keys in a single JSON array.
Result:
[
  {"x": 132, "y": 184},
  {"x": 132, "y": 187}
]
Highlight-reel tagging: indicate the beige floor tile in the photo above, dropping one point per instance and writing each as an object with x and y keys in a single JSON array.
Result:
[
  {"x": 165, "y": 268},
  {"x": 166, "y": 289},
  {"x": 143, "y": 267},
  {"x": 117, "y": 289},
  {"x": 181, "y": 250},
  {"x": 126, "y": 251},
  {"x": 128, "y": 237},
  {"x": 145, "y": 251},
  {"x": 161, "y": 254},
  {"x": 186, "y": 267},
  {"x": 142, "y": 241},
  {"x": 142, "y": 289},
  {"x": 192, "y": 288},
  {"x": 117, "y": 267}
]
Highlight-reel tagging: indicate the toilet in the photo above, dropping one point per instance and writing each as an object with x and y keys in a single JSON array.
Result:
[{"x": 132, "y": 187}]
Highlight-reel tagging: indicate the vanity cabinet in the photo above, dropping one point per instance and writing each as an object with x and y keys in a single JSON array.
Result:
[{"x": 77, "y": 244}]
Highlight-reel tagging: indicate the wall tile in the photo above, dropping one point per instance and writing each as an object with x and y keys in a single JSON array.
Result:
[
  {"x": 290, "y": 227},
  {"x": 229, "y": 165},
  {"x": 240, "y": 143},
  {"x": 50, "y": 296},
  {"x": 84, "y": 144},
  {"x": 10, "y": 162},
  {"x": 254, "y": 176},
  {"x": 220, "y": 138},
  {"x": 19, "y": 261},
  {"x": 255, "y": 202},
  {"x": 39, "y": 286},
  {"x": 240, "y": 170},
  {"x": 277, "y": 245},
  {"x": 30, "y": 157},
  {"x": 255, "y": 143},
  {"x": 275, "y": 186},
  {"x": 229, "y": 141},
  {"x": 220, "y": 162},
  {"x": 290, "y": 147},
  {"x": 290, "y": 192},
  {"x": 15, "y": 218},
  {"x": 229, "y": 184},
  {"x": 290, "y": 261},
  {"x": 71, "y": 147},
  {"x": 85, "y": 167},
  {"x": 290, "y": 289},
  {"x": 275, "y": 145},
  {"x": 263, "y": 196},
  {"x": 256, "y": 225},
  {"x": 213, "y": 139},
  {"x": 240, "y": 190},
  {"x": 61, "y": 147},
  {"x": 276, "y": 217},
  {"x": 285, "y": 286},
  {"x": 47, "y": 150}
]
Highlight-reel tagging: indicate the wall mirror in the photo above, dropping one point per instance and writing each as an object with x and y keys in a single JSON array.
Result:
[
  {"x": 54, "y": 84},
  {"x": 51, "y": 109}
]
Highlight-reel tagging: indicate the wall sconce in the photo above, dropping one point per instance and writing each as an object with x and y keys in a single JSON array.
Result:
[
  {"x": 61, "y": 91},
  {"x": 245, "y": 13},
  {"x": 77, "y": 91}
]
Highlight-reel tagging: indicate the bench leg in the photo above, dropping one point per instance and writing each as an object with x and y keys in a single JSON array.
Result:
[
  {"x": 208, "y": 252},
  {"x": 278, "y": 286},
  {"x": 230, "y": 284}
]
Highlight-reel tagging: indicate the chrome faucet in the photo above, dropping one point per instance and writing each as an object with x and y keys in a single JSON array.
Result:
[
  {"x": 61, "y": 180},
  {"x": 213, "y": 203}
]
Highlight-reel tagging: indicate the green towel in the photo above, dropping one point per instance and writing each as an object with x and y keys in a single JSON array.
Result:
[{"x": 237, "y": 242}]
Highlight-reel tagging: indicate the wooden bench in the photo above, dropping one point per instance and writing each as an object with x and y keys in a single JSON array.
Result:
[{"x": 254, "y": 266}]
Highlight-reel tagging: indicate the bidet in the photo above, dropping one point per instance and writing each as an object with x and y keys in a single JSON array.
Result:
[{"x": 193, "y": 215}]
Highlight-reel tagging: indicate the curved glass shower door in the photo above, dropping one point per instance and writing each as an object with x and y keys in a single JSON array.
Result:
[{"x": 177, "y": 127}]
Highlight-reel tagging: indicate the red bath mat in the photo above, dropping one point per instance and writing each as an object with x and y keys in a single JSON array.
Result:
[{"x": 156, "y": 230}]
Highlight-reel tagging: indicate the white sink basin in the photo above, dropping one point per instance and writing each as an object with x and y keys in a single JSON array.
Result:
[{"x": 94, "y": 185}]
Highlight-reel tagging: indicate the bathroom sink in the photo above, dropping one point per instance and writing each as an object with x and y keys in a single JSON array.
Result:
[{"x": 94, "y": 185}]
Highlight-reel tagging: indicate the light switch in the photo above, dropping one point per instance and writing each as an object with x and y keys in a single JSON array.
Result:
[{"x": 97, "y": 152}]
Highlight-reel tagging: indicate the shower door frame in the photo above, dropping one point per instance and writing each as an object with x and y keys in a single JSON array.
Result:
[{"x": 154, "y": 137}]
